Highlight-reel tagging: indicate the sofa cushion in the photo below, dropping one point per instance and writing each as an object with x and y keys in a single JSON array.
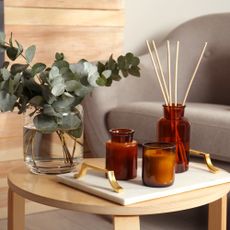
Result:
[{"x": 210, "y": 124}]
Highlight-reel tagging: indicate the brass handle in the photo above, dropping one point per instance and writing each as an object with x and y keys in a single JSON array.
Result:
[
  {"x": 207, "y": 159},
  {"x": 110, "y": 174}
]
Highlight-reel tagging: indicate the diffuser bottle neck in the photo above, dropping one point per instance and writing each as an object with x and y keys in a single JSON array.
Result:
[{"x": 174, "y": 112}]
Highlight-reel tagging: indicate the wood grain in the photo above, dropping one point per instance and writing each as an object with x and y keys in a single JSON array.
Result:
[
  {"x": 129, "y": 222},
  {"x": 10, "y": 137},
  {"x": 46, "y": 190},
  {"x": 86, "y": 29},
  {"x": 51, "y": 17},
  {"x": 16, "y": 211},
  {"x": 94, "y": 43},
  {"x": 217, "y": 214},
  {"x": 72, "y": 4}
]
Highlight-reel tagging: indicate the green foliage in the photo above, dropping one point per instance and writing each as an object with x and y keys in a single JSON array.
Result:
[
  {"x": 55, "y": 91},
  {"x": 29, "y": 53}
]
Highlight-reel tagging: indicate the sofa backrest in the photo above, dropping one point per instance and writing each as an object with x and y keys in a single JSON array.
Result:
[{"x": 212, "y": 81}]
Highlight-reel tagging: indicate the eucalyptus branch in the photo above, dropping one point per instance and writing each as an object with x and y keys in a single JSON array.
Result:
[
  {"x": 66, "y": 152},
  {"x": 57, "y": 89}
]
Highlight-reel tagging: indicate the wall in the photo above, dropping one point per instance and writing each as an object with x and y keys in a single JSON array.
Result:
[
  {"x": 93, "y": 25},
  {"x": 153, "y": 19}
]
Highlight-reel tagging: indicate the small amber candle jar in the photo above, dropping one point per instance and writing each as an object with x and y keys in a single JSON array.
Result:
[
  {"x": 158, "y": 164},
  {"x": 121, "y": 154}
]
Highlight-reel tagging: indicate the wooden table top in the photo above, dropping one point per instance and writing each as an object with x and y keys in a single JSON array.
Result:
[{"x": 46, "y": 190}]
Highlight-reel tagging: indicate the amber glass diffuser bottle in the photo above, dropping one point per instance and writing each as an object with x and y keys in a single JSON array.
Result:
[
  {"x": 121, "y": 154},
  {"x": 174, "y": 127}
]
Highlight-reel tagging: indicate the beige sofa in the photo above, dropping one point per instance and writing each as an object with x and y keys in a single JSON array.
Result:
[{"x": 137, "y": 103}]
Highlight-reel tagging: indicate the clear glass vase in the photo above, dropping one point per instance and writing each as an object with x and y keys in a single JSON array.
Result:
[{"x": 54, "y": 152}]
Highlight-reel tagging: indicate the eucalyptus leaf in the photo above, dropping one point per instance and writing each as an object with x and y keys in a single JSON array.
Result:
[
  {"x": 111, "y": 63},
  {"x": 70, "y": 121},
  {"x": 59, "y": 56},
  {"x": 116, "y": 77},
  {"x": 78, "y": 68},
  {"x": 72, "y": 85},
  {"x": 30, "y": 53},
  {"x": 18, "y": 91},
  {"x": 28, "y": 74},
  {"x": 107, "y": 73},
  {"x": 17, "y": 68},
  {"x": 134, "y": 70},
  {"x": 101, "y": 81},
  {"x": 37, "y": 101},
  {"x": 68, "y": 94},
  {"x": 23, "y": 102},
  {"x": 5, "y": 64},
  {"x": 12, "y": 53},
  {"x": 54, "y": 72},
  {"x": 49, "y": 111},
  {"x": 38, "y": 68},
  {"x": 58, "y": 89},
  {"x": 121, "y": 62},
  {"x": 100, "y": 67},
  {"x": 45, "y": 124},
  {"x": 47, "y": 95},
  {"x": 83, "y": 91},
  {"x": 129, "y": 57},
  {"x": 31, "y": 87},
  {"x": 135, "y": 61},
  {"x": 90, "y": 68},
  {"x": 76, "y": 133},
  {"x": 5, "y": 74},
  {"x": 109, "y": 82},
  {"x": 2, "y": 38},
  {"x": 11, "y": 39},
  {"x": 64, "y": 103},
  {"x": 17, "y": 78},
  {"x": 92, "y": 79},
  {"x": 4, "y": 86},
  {"x": 20, "y": 48},
  {"x": 44, "y": 76},
  {"x": 7, "y": 101},
  {"x": 125, "y": 73},
  {"x": 65, "y": 70},
  {"x": 61, "y": 63},
  {"x": 11, "y": 86}
]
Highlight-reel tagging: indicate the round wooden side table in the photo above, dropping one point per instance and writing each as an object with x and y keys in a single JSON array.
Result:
[{"x": 44, "y": 189}]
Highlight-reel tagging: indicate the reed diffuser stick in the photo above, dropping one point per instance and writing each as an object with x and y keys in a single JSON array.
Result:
[
  {"x": 158, "y": 77},
  {"x": 161, "y": 70},
  {"x": 176, "y": 70},
  {"x": 194, "y": 74},
  {"x": 169, "y": 72}
]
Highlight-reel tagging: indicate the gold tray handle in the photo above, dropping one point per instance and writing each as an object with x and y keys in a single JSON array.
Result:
[
  {"x": 110, "y": 174},
  {"x": 207, "y": 159}
]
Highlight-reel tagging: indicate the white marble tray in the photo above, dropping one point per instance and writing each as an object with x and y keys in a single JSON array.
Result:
[{"x": 196, "y": 177}]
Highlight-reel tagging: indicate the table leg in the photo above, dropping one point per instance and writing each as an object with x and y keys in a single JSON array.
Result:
[
  {"x": 217, "y": 214},
  {"x": 16, "y": 211},
  {"x": 126, "y": 222}
]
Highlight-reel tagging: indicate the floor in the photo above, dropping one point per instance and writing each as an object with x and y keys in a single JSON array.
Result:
[{"x": 69, "y": 220}]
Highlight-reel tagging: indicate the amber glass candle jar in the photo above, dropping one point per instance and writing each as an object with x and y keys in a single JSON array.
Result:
[
  {"x": 158, "y": 164},
  {"x": 121, "y": 154},
  {"x": 174, "y": 127}
]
